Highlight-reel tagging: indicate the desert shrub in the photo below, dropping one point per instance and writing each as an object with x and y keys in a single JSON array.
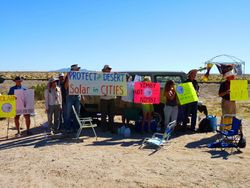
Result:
[{"x": 39, "y": 91}]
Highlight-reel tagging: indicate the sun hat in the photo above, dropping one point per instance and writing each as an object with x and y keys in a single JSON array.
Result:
[
  {"x": 61, "y": 75},
  {"x": 106, "y": 67},
  {"x": 18, "y": 78},
  {"x": 229, "y": 73},
  {"x": 51, "y": 80},
  {"x": 74, "y": 67}
]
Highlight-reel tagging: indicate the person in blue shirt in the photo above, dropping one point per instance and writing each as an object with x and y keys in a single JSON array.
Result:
[{"x": 18, "y": 80}]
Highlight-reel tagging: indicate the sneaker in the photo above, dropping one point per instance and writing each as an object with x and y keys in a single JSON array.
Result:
[{"x": 18, "y": 135}]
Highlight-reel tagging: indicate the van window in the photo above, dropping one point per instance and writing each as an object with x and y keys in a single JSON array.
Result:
[{"x": 163, "y": 79}]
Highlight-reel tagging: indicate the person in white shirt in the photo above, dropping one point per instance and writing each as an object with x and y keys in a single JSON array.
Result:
[
  {"x": 107, "y": 107},
  {"x": 127, "y": 101},
  {"x": 53, "y": 104}
]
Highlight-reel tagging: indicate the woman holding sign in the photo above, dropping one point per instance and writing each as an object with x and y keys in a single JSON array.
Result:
[
  {"x": 53, "y": 104},
  {"x": 171, "y": 107},
  {"x": 227, "y": 106}
]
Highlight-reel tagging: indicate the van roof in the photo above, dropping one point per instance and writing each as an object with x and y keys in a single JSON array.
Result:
[{"x": 155, "y": 72}]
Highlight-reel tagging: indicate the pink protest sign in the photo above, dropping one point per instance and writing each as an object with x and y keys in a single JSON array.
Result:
[{"x": 147, "y": 92}]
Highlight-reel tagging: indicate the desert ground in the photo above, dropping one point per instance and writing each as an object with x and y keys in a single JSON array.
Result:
[{"x": 115, "y": 161}]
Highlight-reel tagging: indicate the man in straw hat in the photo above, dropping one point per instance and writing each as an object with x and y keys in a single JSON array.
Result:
[
  {"x": 107, "y": 104},
  {"x": 18, "y": 85},
  {"x": 227, "y": 106},
  {"x": 71, "y": 100}
]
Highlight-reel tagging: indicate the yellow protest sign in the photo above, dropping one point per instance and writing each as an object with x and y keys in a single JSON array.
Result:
[
  {"x": 238, "y": 90},
  {"x": 186, "y": 93},
  {"x": 8, "y": 106}
]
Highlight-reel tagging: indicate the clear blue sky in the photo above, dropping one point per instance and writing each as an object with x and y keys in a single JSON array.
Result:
[{"x": 175, "y": 35}]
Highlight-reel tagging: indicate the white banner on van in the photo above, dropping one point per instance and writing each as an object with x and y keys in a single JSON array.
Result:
[{"x": 97, "y": 83}]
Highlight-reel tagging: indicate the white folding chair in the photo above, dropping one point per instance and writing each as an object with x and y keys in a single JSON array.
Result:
[{"x": 84, "y": 123}]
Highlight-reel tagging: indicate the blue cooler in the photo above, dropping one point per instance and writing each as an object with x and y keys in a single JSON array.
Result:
[{"x": 213, "y": 122}]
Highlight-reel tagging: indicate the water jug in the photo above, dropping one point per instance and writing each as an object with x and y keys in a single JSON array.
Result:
[
  {"x": 127, "y": 132},
  {"x": 122, "y": 129}
]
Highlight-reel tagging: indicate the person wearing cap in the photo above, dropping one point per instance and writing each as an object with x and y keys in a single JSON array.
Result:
[
  {"x": 107, "y": 105},
  {"x": 191, "y": 108},
  {"x": 227, "y": 106},
  {"x": 18, "y": 85},
  {"x": 53, "y": 104},
  {"x": 71, "y": 124},
  {"x": 63, "y": 113}
]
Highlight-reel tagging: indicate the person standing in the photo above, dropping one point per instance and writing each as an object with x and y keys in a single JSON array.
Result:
[
  {"x": 171, "y": 107},
  {"x": 147, "y": 109},
  {"x": 191, "y": 108},
  {"x": 127, "y": 101},
  {"x": 227, "y": 106},
  {"x": 18, "y": 85},
  {"x": 53, "y": 104},
  {"x": 63, "y": 113},
  {"x": 107, "y": 107},
  {"x": 71, "y": 100}
]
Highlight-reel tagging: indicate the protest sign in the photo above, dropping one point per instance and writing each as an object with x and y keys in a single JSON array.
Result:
[
  {"x": 97, "y": 83},
  {"x": 24, "y": 101},
  {"x": 8, "y": 106},
  {"x": 186, "y": 93},
  {"x": 238, "y": 90},
  {"x": 147, "y": 92}
]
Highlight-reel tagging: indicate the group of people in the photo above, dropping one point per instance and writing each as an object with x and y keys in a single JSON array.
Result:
[{"x": 58, "y": 103}]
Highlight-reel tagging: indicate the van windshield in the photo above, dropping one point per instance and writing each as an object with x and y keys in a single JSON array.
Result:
[{"x": 163, "y": 79}]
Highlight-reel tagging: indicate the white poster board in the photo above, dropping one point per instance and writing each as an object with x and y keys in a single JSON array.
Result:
[
  {"x": 24, "y": 101},
  {"x": 97, "y": 83}
]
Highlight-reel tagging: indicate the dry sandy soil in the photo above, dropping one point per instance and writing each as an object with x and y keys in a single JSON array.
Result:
[{"x": 113, "y": 161}]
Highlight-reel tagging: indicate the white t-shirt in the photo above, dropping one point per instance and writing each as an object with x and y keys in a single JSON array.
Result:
[{"x": 130, "y": 92}]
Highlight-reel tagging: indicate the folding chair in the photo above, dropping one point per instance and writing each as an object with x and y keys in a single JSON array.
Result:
[
  {"x": 84, "y": 123},
  {"x": 158, "y": 139},
  {"x": 229, "y": 138}
]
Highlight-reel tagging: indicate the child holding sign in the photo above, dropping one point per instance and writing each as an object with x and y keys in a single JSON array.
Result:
[{"x": 147, "y": 110}]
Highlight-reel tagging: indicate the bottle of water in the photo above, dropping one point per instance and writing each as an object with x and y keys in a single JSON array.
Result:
[{"x": 127, "y": 132}]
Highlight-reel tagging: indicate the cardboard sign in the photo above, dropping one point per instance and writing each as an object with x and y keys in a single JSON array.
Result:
[
  {"x": 24, "y": 101},
  {"x": 8, "y": 106},
  {"x": 147, "y": 92},
  {"x": 97, "y": 83},
  {"x": 238, "y": 90},
  {"x": 186, "y": 93}
]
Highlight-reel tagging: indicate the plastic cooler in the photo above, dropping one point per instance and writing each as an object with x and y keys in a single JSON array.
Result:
[{"x": 213, "y": 122}]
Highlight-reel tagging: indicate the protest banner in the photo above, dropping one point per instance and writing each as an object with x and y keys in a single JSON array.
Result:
[
  {"x": 8, "y": 106},
  {"x": 186, "y": 93},
  {"x": 24, "y": 101},
  {"x": 147, "y": 92},
  {"x": 97, "y": 83},
  {"x": 238, "y": 90}
]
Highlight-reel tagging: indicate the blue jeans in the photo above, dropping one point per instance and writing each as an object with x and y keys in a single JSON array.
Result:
[
  {"x": 63, "y": 116},
  {"x": 72, "y": 100}
]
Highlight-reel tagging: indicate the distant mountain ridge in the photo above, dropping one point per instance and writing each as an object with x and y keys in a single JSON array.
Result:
[{"x": 67, "y": 70}]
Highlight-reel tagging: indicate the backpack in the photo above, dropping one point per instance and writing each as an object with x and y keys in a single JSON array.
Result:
[
  {"x": 204, "y": 126},
  {"x": 242, "y": 142}
]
